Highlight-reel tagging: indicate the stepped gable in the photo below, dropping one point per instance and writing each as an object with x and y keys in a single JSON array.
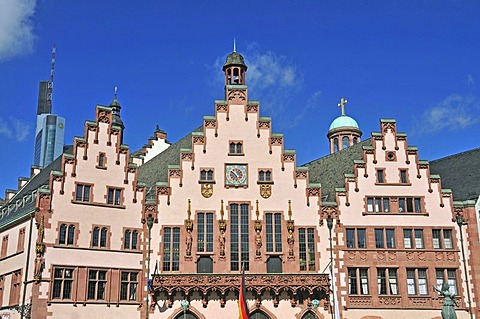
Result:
[
  {"x": 13, "y": 211},
  {"x": 460, "y": 173},
  {"x": 156, "y": 170},
  {"x": 330, "y": 170}
]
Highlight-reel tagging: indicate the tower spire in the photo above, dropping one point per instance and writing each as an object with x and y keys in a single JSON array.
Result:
[{"x": 234, "y": 45}]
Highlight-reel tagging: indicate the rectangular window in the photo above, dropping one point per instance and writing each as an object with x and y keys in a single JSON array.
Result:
[
  {"x": 447, "y": 276},
  {"x": 378, "y": 204},
  {"x": 274, "y": 232},
  {"x": 361, "y": 238},
  {"x": 114, "y": 196},
  {"x": 82, "y": 193},
  {"x": 447, "y": 239},
  {"x": 306, "y": 240},
  {"x": 417, "y": 282},
  {"x": 3, "y": 253},
  {"x": 21, "y": 240},
  {"x": 390, "y": 235},
  {"x": 437, "y": 239},
  {"x": 15, "y": 287},
  {"x": 380, "y": 176},
  {"x": 239, "y": 237},
  {"x": 358, "y": 281},
  {"x": 403, "y": 176},
  {"x": 407, "y": 238},
  {"x": 419, "y": 238},
  {"x": 410, "y": 205},
  {"x": 356, "y": 238},
  {"x": 205, "y": 232},
  {"x": 265, "y": 175},
  {"x": 350, "y": 238},
  {"x": 62, "y": 283},
  {"x": 128, "y": 285},
  {"x": 236, "y": 147},
  {"x": 387, "y": 281},
  {"x": 379, "y": 239},
  {"x": 97, "y": 282},
  {"x": 171, "y": 249}
]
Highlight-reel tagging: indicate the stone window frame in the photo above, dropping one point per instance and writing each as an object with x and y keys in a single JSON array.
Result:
[
  {"x": 446, "y": 275},
  {"x": 129, "y": 281},
  {"x": 121, "y": 198},
  {"x": 388, "y": 282},
  {"x": 402, "y": 181},
  {"x": 90, "y": 198},
  {"x": 416, "y": 281},
  {"x": 4, "y": 251},
  {"x": 359, "y": 284},
  {"x": 63, "y": 279},
  {"x": 107, "y": 238},
  {"x": 206, "y": 170},
  {"x": 236, "y": 151},
  {"x": 413, "y": 238},
  {"x": 275, "y": 233},
  {"x": 75, "y": 234},
  {"x": 123, "y": 238},
  {"x": 315, "y": 241},
  {"x": 171, "y": 260},
  {"x": 101, "y": 160},
  {"x": 356, "y": 237},
  {"x": 205, "y": 251},
  {"x": 441, "y": 238},
  {"x": 246, "y": 264},
  {"x": 385, "y": 237},
  {"x": 380, "y": 176},
  {"x": 98, "y": 280},
  {"x": 265, "y": 171},
  {"x": 15, "y": 287},
  {"x": 21, "y": 239}
]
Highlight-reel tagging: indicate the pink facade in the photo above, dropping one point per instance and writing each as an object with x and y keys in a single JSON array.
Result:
[{"x": 229, "y": 197}]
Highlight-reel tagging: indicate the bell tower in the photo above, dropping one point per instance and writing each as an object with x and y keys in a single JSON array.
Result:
[
  {"x": 344, "y": 131},
  {"x": 234, "y": 68}
]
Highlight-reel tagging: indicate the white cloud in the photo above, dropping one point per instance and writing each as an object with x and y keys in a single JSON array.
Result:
[
  {"x": 16, "y": 27},
  {"x": 470, "y": 81},
  {"x": 455, "y": 112},
  {"x": 311, "y": 104},
  {"x": 14, "y": 129}
]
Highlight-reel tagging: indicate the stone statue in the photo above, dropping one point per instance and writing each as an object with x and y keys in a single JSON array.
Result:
[
  {"x": 448, "y": 309},
  {"x": 221, "y": 240},
  {"x": 258, "y": 243},
  {"x": 188, "y": 242},
  {"x": 291, "y": 243}
]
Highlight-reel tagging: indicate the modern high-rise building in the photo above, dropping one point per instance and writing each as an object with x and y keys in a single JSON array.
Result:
[{"x": 50, "y": 128}]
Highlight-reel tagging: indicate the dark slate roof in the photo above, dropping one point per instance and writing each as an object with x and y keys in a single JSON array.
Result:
[
  {"x": 234, "y": 59},
  {"x": 156, "y": 169},
  {"x": 460, "y": 173},
  {"x": 24, "y": 201},
  {"x": 330, "y": 170}
]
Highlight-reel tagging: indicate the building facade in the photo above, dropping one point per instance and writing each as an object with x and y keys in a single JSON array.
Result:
[{"x": 365, "y": 232}]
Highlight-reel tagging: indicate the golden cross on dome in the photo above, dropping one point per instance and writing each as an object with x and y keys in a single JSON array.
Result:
[{"x": 342, "y": 104}]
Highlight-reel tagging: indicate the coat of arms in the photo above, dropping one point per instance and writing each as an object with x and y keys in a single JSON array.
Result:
[
  {"x": 265, "y": 191},
  {"x": 207, "y": 190}
]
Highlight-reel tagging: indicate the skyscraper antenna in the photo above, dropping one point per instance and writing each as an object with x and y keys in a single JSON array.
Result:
[
  {"x": 234, "y": 45},
  {"x": 50, "y": 80}
]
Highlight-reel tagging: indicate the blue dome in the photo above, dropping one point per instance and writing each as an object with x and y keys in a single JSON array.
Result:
[{"x": 343, "y": 121}]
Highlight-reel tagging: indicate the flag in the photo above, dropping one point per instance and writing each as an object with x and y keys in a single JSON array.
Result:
[
  {"x": 336, "y": 309},
  {"x": 242, "y": 299}
]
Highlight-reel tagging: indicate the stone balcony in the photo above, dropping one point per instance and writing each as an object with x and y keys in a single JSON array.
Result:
[{"x": 298, "y": 287}]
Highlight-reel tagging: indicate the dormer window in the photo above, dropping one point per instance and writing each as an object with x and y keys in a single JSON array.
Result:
[{"x": 236, "y": 148}]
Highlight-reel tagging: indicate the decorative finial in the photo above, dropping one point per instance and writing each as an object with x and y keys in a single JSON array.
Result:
[
  {"x": 257, "y": 211},
  {"x": 234, "y": 45},
  {"x": 342, "y": 104},
  {"x": 221, "y": 209},
  {"x": 157, "y": 128},
  {"x": 289, "y": 210},
  {"x": 189, "y": 212},
  {"x": 115, "y": 91}
]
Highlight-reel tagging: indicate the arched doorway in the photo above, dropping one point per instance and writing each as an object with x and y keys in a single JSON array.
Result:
[
  {"x": 186, "y": 315},
  {"x": 258, "y": 314},
  {"x": 309, "y": 315}
]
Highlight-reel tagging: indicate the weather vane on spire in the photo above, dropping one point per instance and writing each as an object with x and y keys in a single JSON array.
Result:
[
  {"x": 342, "y": 104},
  {"x": 234, "y": 45},
  {"x": 115, "y": 90}
]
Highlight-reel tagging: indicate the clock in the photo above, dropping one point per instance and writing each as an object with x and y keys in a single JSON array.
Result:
[{"x": 236, "y": 174}]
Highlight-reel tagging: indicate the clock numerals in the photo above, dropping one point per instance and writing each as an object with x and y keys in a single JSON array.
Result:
[{"x": 236, "y": 175}]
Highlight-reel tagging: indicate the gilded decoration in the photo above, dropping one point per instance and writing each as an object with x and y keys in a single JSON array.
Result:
[
  {"x": 207, "y": 190},
  {"x": 222, "y": 225},
  {"x": 258, "y": 235},
  {"x": 265, "y": 190},
  {"x": 290, "y": 237}
]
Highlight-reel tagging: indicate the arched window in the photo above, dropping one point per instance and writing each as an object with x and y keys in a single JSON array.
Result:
[
  {"x": 355, "y": 140},
  {"x": 345, "y": 142},
  {"x": 101, "y": 160},
  {"x": 135, "y": 239},
  {"x": 95, "y": 236},
  {"x": 335, "y": 144},
  {"x": 126, "y": 240},
  {"x": 309, "y": 315},
  {"x": 103, "y": 237},
  {"x": 258, "y": 314},
  {"x": 63, "y": 234},
  {"x": 71, "y": 234},
  {"x": 186, "y": 315}
]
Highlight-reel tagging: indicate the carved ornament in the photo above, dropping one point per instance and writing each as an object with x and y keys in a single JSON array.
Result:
[
  {"x": 265, "y": 190},
  {"x": 207, "y": 190}
]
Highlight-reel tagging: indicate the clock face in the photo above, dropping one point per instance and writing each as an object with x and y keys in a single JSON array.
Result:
[{"x": 236, "y": 174}]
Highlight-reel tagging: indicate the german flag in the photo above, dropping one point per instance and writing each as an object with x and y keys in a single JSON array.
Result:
[{"x": 242, "y": 299}]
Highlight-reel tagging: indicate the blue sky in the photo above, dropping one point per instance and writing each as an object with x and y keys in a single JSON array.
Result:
[{"x": 415, "y": 61}]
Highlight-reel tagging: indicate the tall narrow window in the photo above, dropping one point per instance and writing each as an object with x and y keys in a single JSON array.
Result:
[
  {"x": 62, "y": 283},
  {"x": 447, "y": 276},
  {"x": 71, "y": 235},
  {"x": 239, "y": 237},
  {"x": 128, "y": 285},
  {"x": 379, "y": 239},
  {"x": 97, "y": 282},
  {"x": 356, "y": 238},
  {"x": 4, "y": 246},
  {"x": 274, "y": 232},
  {"x": 101, "y": 160},
  {"x": 355, "y": 140},
  {"x": 361, "y": 238},
  {"x": 171, "y": 249},
  {"x": 447, "y": 239},
  {"x": 306, "y": 242},
  {"x": 21, "y": 240},
  {"x": 350, "y": 238},
  {"x": 345, "y": 142},
  {"x": 380, "y": 176},
  {"x": 205, "y": 232},
  {"x": 335, "y": 144},
  {"x": 387, "y": 281},
  {"x": 103, "y": 237},
  {"x": 95, "y": 236},
  {"x": 437, "y": 240},
  {"x": 419, "y": 238},
  {"x": 407, "y": 238},
  {"x": 390, "y": 235},
  {"x": 403, "y": 176},
  {"x": 62, "y": 235},
  {"x": 135, "y": 239},
  {"x": 127, "y": 239},
  {"x": 417, "y": 282},
  {"x": 114, "y": 196},
  {"x": 82, "y": 193}
]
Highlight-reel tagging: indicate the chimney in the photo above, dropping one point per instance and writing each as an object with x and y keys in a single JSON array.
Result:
[
  {"x": 21, "y": 182},
  {"x": 34, "y": 170},
  {"x": 9, "y": 193}
]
